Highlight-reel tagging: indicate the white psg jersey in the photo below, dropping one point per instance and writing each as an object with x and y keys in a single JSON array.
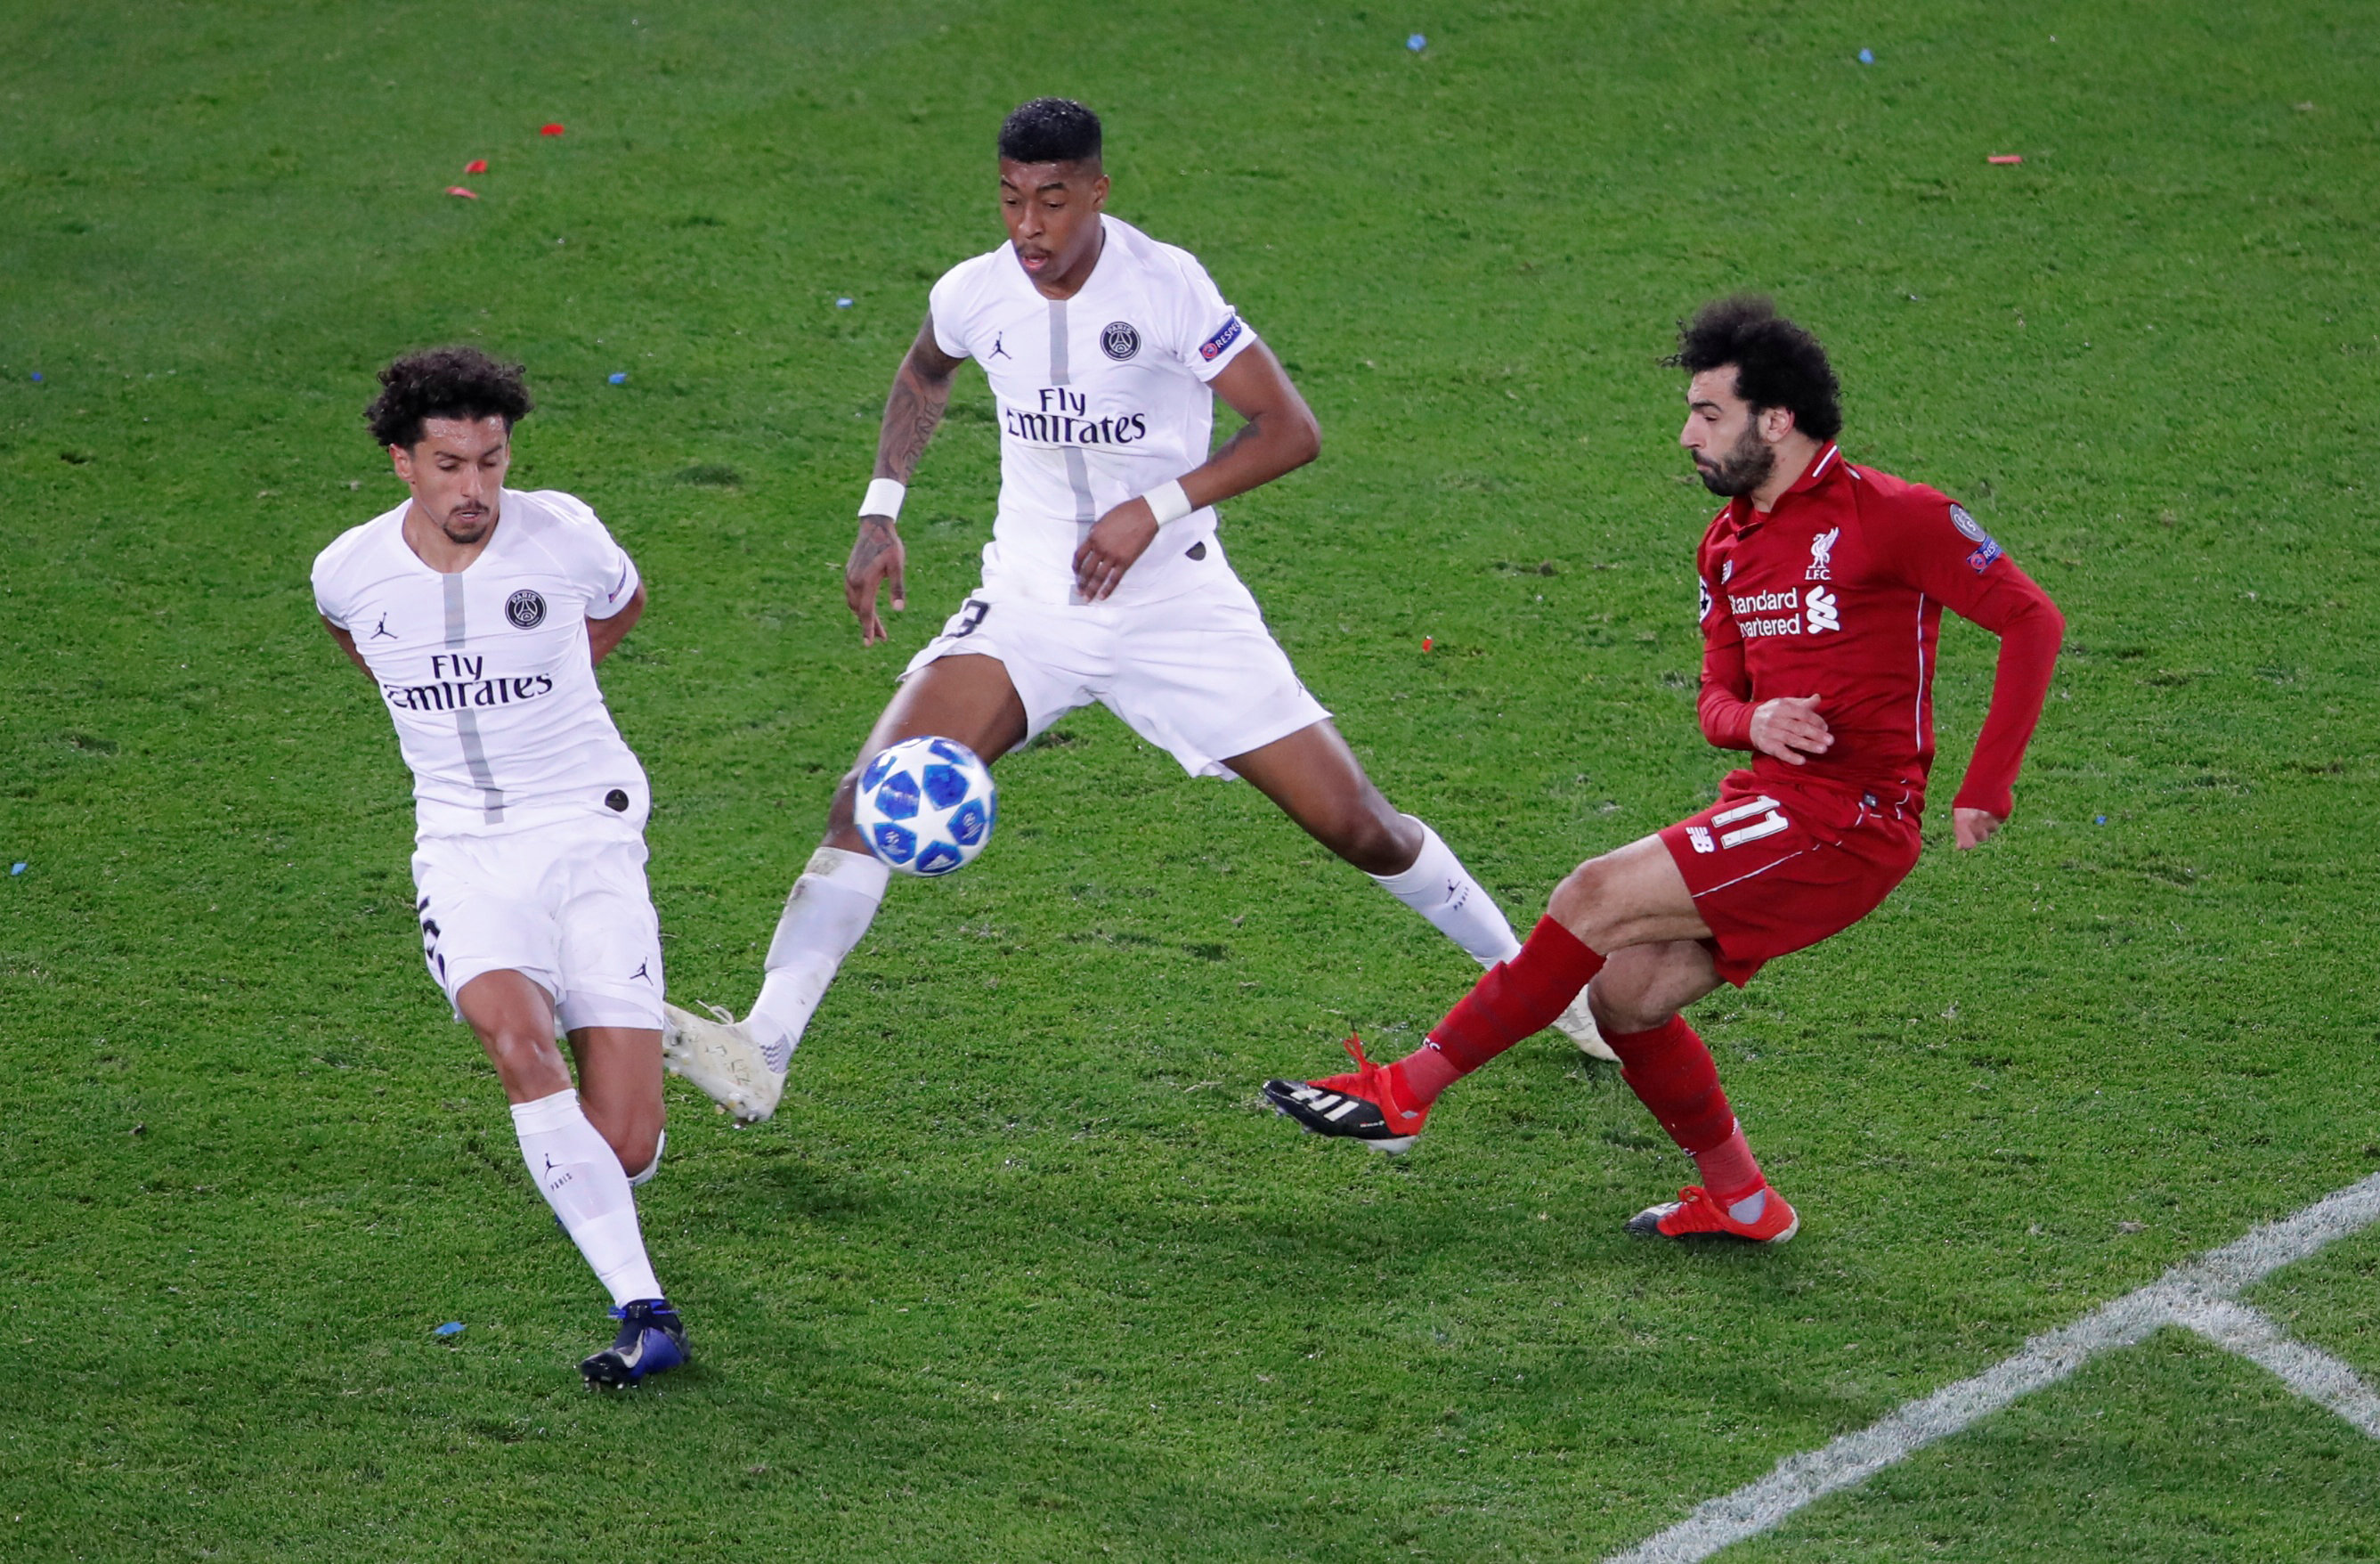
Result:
[
  {"x": 488, "y": 671},
  {"x": 1101, "y": 397}
]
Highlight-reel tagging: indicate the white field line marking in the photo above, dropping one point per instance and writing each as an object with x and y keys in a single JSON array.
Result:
[
  {"x": 2196, "y": 1290},
  {"x": 2315, "y": 1374}
]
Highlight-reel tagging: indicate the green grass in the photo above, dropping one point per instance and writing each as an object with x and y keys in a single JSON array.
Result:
[{"x": 1021, "y": 1269}]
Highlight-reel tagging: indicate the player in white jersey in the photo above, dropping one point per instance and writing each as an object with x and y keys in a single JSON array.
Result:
[
  {"x": 1104, "y": 579},
  {"x": 479, "y": 611}
]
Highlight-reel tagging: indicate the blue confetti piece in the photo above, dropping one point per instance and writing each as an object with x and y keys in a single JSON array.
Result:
[
  {"x": 619, "y": 377},
  {"x": 37, "y": 377},
  {"x": 1867, "y": 56},
  {"x": 2098, "y": 820},
  {"x": 1416, "y": 43},
  {"x": 16, "y": 868},
  {"x": 843, "y": 303},
  {"x": 452, "y": 1327}
]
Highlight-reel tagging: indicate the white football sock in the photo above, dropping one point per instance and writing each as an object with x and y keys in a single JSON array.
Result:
[
  {"x": 582, "y": 1180},
  {"x": 830, "y": 909},
  {"x": 1439, "y": 889}
]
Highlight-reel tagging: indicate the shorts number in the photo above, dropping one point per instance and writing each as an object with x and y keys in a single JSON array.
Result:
[{"x": 970, "y": 615}]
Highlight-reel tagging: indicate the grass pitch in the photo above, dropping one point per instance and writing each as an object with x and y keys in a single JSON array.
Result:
[{"x": 1021, "y": 1270}]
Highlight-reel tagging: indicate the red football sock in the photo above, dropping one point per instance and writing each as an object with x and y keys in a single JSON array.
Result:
[
  {"x": 1728, "y": 1170},
  {"x": 1517, "y": 998},
  {"x": 1671, "y": 1072}
]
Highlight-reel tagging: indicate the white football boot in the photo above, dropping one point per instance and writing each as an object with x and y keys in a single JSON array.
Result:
[
  {"x": 1577, "y": 1023},
  {"x": 720, "y": 1058}
]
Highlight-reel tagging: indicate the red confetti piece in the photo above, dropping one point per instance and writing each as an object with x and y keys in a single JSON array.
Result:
[
  {"x": 1424, "y": 643},
  {"x": 549, "y": 130},
  {"x": 2003, "y": 157},
  {"x": 476, "y": 166},
  {"x": 459, "y": 190}
]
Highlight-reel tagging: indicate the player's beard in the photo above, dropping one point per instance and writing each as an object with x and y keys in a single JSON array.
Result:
[
  {"x": 1742, "y": 469},
  {"x": 465, "y": 530}
]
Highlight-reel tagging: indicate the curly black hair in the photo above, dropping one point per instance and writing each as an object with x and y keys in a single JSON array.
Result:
[
  {"x": 445, "y": 383},
  {"x": 1777, "y": 364},
  {"x": 1050, "y": 130}
]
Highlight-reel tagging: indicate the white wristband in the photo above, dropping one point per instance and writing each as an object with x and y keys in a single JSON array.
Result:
[
  {"x": 1168, "y": 503},
  {"x": 884, "y": 498}
]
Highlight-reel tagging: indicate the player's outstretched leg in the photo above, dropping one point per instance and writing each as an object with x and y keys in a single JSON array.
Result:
[
  {"x": 1516, "y": 999},
  {"x": 1631, "y": 896},
  {"x": 1318, "y": 782},
  {"x": 741, "y": 1065}
]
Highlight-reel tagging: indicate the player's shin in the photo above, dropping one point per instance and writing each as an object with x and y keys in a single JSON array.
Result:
[
  {"x": 581, "y": 1179},
  {"x": 1670, "y": 1072},
  {"x": 1517, "y": 998},
  {"x": 1439, "y": 889},
  {"x": 830, "y": 909}
]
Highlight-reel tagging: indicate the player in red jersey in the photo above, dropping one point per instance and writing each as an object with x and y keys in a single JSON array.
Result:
[{"x": 1823, "y": 586}]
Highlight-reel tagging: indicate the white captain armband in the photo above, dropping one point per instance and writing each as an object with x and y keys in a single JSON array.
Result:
[
  {"x": 1168, "y": 502},
  {"x": 884, "y": 498}
]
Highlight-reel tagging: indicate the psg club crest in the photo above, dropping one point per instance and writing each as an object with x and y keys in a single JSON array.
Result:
[
  {"x": 1119, "y": 340},
  {"x": 525, "y": 609}
]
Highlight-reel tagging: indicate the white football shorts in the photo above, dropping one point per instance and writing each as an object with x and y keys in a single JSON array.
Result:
[
  {"x": 1198, "y": 676},
  {"x": 565, "y": 903}
]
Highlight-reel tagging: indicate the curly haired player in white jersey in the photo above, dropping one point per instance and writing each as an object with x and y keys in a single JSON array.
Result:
[
  {"x": 1104, "y": 579},
  {"x": 479, "y": 613}
]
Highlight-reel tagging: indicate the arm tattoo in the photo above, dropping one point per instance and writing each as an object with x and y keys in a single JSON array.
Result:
[
  {"x": 1247, "y": 434},
  {"x": 911, "y": 415}
]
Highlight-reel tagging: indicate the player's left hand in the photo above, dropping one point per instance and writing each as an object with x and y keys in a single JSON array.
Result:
[
  {"x": 1122, "y": 536},
  {"x": 1973, "y": 828}
]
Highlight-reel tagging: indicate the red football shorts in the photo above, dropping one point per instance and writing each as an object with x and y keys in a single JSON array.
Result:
[{"x": 1773, "y": 869}]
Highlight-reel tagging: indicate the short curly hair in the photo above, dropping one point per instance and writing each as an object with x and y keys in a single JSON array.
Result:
[
  {"x": 459, "y": 381},
  {"x": 1777, "y": 364},
  {"x": 1050, "y": 130}
]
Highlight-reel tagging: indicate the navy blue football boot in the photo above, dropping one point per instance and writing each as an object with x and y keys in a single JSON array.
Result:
[{"x": 651, "y": 1340}]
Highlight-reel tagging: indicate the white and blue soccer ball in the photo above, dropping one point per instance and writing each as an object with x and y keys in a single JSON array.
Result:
[{"x": 927, "y": 806}]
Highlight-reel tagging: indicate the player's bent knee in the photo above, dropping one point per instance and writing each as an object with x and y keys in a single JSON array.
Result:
[
  {"x": 1581, "y": 903},
  {"x": 638, "y": 1152}
]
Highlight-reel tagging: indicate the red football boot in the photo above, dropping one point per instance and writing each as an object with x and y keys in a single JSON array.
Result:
[
  {"x": 1696, "y": 1213},
  {"x": 1361, "y": 1106}
]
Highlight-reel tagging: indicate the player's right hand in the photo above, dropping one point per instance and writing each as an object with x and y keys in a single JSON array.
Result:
[
  {"x": 876, "y": 554},
  {"x": 1790, "y": 728}
]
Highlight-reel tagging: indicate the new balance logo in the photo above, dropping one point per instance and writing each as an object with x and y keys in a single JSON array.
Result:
[
  {"x": 1823, "y": 609},
  {"x": 1700, "y": 839},
  {"x": 1772, "y": 819}
]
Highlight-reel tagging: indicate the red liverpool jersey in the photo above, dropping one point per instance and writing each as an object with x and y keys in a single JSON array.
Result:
[{"x": 1838, "y": 591}]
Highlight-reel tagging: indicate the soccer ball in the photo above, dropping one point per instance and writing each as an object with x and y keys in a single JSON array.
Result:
[{"x": 927, "y": 806}]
